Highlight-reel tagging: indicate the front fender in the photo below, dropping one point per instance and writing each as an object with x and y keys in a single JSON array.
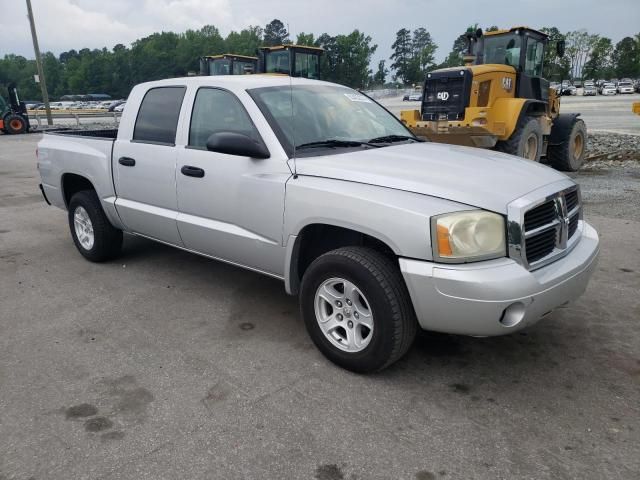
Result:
[{"x": 397, "y": 218}]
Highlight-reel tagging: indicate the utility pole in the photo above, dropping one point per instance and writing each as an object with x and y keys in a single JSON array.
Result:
[{"x": 43, "y": 82}]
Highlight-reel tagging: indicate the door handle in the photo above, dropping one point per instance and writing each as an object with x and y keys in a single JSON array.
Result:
[
  {"x": 190, "y": 171},
  {"x": 127, "y": 162}
]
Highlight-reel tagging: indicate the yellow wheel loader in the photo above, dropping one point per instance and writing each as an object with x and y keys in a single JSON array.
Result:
[{"x": 500, "y": 100}]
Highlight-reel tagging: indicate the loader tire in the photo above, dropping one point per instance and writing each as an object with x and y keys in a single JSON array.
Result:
[
  {"x": 526, "y": 140},
  {"x": 568, "y": 155}
]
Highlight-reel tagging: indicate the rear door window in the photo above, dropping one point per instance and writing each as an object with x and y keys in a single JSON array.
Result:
[{"x": 158, "y": 116}]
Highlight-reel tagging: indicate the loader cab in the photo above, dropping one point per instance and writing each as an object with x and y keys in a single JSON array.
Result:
[
  {"x": 523, "y": 49},
  {"x": 228, "y": 64},
  {"x": 293, "y": 60}
]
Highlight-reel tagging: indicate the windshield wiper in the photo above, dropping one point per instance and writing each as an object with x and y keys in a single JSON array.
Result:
[
  {"x": 394, "y": 138},
  {"x": 334, "y": 143}
]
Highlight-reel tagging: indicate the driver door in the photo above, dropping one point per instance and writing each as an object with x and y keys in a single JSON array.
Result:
[{"x": 230, "y": 207}]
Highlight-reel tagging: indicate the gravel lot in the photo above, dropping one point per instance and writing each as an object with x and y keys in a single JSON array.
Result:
[{"x": 167, "y": 365}]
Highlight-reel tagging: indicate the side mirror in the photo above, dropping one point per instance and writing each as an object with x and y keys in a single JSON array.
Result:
[
  {"x": 234, "y": 143},
  {"x": 560, "y": 48}
]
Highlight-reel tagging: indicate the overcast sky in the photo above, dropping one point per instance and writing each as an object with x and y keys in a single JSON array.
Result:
[{"x": 75, "y": 24}]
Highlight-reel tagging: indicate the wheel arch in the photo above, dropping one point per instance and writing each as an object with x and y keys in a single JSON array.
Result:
[
  {"x": 72, "y": 183},
  {"x": 512, "y": 111},
  {"x": 315, "y": 239}
]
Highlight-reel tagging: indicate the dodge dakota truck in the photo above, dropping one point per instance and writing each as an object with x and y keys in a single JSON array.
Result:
[{"x": 316, "y": 184}]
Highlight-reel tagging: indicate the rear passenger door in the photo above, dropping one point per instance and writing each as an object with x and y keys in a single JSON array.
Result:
[
  {"x": 233, "y": 210},
  {"x": 145, "y": 167}
]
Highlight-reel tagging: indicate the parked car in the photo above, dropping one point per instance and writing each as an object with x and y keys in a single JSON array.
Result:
[
  {"x": 415, "y": 97},
  {"x": 316, "y": 185},
  {"x": 119, "y": 107},
  {"x": 625, "y": 87},
  {"x": 589, "y": 88},
  {"x": 568, "y": 89},
  {"x": 609, "y": 89},
  {"x": 405, "y": 97},
  {"x": 115, "y": 104}
]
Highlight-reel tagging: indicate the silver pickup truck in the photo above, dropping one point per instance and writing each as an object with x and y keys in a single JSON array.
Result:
[{"x": 319, "y": 186}]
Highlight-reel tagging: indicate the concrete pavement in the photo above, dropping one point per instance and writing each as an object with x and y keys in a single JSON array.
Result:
[{"x": 163, "y": 364}]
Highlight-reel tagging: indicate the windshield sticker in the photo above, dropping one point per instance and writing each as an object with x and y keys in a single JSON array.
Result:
[{"x": 356, "y": 97}]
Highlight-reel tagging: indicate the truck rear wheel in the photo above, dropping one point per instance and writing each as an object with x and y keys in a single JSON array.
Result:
[
  {"x": 568, "y": 155},
  {"x": 357, "y": 309},
  {"x": 15, "y": 124},
  {"x": 526, "y": 140},
  {"x": 94, "y": 236}
]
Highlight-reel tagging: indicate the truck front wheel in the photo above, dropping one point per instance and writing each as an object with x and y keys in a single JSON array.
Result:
[
  {"x": 357, "y": 309},
  {"x": 94, "y": 236}
]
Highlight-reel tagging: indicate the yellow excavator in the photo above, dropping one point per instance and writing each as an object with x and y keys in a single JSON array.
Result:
[
  {"x": 499, "y": 99},
  {"x": 293, "y": 60}
]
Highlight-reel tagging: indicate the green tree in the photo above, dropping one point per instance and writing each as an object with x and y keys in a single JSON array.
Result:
[
  {"x": 424, "y": 50},
  {"x": 402, "y": 56},
  {"x": 626, "y": 58},
  {"x": 380, "y": 77},
  {"x": 599, "y": 63},
  {"x": 245, "y": 42},
  {"x": 306, "y": 39},
  {"x": 554, "y": 67},
  {"x": 275, "y": 33}
]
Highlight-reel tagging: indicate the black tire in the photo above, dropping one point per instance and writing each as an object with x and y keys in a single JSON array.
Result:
[
  {"x": 568, "y": 156},
  {"x": 14, "y": 124},
  {"x": 528, "y": 130},
  {"x": 107, "y": 239},
  {"x": 380, "y": 281}
]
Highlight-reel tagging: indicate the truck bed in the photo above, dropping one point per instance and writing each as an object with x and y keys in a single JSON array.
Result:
[
  {"x": 67, "y": 152},
  {"x": 105, "y": 133}
]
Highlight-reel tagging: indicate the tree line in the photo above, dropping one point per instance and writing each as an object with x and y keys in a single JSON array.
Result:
[{"x": 346, "y": 59}]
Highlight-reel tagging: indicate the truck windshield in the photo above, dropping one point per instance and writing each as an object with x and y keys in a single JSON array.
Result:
[
  {"x": 327, "y": 117},
  {"x": 502, "y": 49}
]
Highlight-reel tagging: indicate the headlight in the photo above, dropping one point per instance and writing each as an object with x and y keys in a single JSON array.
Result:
[{"x": 468, "y": 236}]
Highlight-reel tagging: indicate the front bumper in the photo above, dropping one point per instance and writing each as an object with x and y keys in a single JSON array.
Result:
[{"x": 496, "y": 297}]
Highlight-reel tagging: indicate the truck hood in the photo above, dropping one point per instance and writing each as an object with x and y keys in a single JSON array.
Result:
[{"x": 481, "y": 178}]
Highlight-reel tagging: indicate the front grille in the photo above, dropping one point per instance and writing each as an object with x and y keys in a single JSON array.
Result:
[
  {"x": 541, "y": 245},
  {"x": 446, "y": 94},
  {"x": 539, "y": 216},
  {"x": 547, "y": 228},
  {"x": 573, "y": 225},
  {"x": 572, "y": 200}
]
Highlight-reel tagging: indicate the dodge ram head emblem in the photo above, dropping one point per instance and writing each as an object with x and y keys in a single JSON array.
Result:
[
  {"x": 507, "y": 83},
  {"x": 444, "y": 96},
  {"x": 563, "y": 219}
]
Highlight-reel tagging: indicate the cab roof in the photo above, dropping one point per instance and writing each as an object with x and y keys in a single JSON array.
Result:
[
  {"x": 232, "y": 56},
  {"x": 236, "y": 82},
  {"x": 513, "y": 29},
  {"x": 285, "y": 47}
]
